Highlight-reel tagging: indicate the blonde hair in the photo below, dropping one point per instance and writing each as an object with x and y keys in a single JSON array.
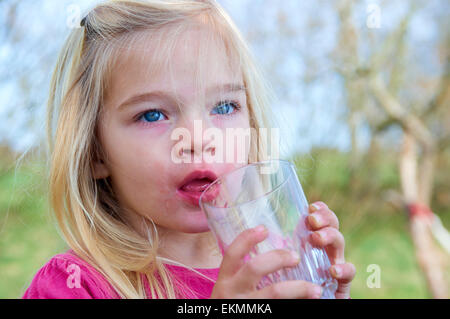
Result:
[{"x": 86, "y": 209}]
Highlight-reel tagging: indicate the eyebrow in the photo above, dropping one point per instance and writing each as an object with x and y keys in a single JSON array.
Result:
[{"x": 144, "y": 97}]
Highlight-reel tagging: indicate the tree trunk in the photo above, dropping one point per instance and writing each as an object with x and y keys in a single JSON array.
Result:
[{"x": 417, "y": 195}]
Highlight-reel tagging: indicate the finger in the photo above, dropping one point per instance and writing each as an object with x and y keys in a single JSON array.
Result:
[
  {"x": 239, "y": 248},
  {"x": 332, "y": 240},
  {"x": 344, "y": 274},
  {"x": 291, "y": 289},
  {"x": 321, "y": 216},
  {"x": 316, "y": 206},
  {"x": 262, "y": 265}
]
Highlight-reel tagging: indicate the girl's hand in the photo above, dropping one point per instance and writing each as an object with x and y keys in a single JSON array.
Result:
[
  {"x": 325, "y": 226},
  {"x": 238, "y": 278}
]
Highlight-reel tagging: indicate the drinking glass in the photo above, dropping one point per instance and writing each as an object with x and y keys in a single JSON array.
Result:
[{"x": 267, "y": 193}]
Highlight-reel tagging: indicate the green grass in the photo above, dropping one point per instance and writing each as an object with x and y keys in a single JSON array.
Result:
[
  {"x": 375, "y": 233},
  {"x": 27, "y": 236},
  {"x": 385, "y": 242}
]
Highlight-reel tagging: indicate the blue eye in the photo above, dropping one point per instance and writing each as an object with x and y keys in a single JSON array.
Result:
[
  {"x": 225, "y": 108},
  {"x": 152, "y": 116}
]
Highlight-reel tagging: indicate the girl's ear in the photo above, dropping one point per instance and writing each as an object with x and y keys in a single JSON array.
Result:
[
  {"x": 98, "y": 166},
  {"x": 99, "y": 169}
]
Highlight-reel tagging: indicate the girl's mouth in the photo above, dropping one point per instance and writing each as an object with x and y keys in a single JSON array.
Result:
[
  {"x": 193, "y": 185},
  {"x": 196, "y": 185}
]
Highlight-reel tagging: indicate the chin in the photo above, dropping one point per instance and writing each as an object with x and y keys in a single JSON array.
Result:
[
  {"x": 195, "y": 227},
  {"x": 187, "y": 221}
]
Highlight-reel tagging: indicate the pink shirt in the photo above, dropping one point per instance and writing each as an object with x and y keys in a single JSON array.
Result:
[{"x": 67, "y": 276}]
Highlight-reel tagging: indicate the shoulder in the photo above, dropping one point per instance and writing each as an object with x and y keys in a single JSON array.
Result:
[{"x": 66, "y": 276}]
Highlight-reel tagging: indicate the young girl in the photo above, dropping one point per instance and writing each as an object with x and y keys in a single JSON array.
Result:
[{"x": 125, "y": 203}]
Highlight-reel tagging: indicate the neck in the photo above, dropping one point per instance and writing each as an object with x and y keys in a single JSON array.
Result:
[{"x": 197, "y": 250}]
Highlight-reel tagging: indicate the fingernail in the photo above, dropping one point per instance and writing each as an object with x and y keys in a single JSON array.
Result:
[
  {"x": 295, "y": 257},
  {"x": 260, "y": 229},
  {"x": 321, "y": 235},
  {"x": 317, "y": 292},
  {"x": 337, "y": 271},
  {"x": 314, "y": 207},
  {"x": 316, "y": 220}
]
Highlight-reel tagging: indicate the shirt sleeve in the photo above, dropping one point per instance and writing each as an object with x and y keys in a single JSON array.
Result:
[{"x": 66, "y": 278}]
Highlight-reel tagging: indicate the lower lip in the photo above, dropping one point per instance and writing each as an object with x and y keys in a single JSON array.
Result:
[
  {"x": 194, "y": 197},
  {"x": 190, "y": 197}
]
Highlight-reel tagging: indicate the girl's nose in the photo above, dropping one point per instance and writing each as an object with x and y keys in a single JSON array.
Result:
[
  {"x": 198, "y": 146},
  {"x": 197, "y": 150}
]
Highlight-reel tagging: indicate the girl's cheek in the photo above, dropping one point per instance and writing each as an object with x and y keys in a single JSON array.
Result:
[
  {"x": 239, "y": 120},
  {"x": 145, "y": 142},
  {"x": 153, "y": 129},
  {"x": 223, "y": 123}
]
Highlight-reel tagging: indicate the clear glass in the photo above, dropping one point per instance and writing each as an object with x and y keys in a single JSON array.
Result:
[{"x": 268, "y": 193}]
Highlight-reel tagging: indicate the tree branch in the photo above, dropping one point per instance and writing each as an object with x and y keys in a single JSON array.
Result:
[
  {"x": 442, "y": 96},
  {"x": 397, "y": 112}
]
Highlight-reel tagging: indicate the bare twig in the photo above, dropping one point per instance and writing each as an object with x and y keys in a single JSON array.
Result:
[{"x": 400, "y": 115}]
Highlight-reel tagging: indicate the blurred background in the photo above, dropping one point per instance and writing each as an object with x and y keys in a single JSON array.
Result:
[{"x": 363, "y": 103}]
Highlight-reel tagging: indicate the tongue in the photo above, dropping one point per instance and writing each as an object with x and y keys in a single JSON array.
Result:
[{"x": 197, "y": 185}]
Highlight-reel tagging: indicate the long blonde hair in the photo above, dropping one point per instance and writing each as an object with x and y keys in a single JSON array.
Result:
[{"x": 86, "y": 210}]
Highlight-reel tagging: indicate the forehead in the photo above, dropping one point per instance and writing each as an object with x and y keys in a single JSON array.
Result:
[{"x": 185, "y": 62}]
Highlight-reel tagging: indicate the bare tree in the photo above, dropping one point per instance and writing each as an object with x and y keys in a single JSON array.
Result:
[
  {"x": 383, "y": 88},
  {"x": 422, "y": 123}
]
